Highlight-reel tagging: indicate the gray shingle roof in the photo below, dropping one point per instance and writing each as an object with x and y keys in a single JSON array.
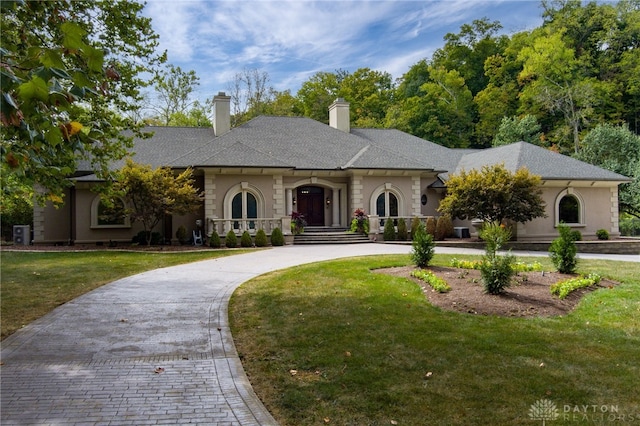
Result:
[
  {"x": 539, "y": 161},
  {"x": 305, "y": 144}
]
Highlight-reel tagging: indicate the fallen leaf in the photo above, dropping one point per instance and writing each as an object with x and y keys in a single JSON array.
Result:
[
  {"x": 159, "y": 370},
  {"x": 327, "y": 420},
  {"x": 393, "y": 422},
  {"x": 347, "y": 353},
  {"x": 124, "y": 320},
  {"x": 542, "y": 364},
  {"x": 293, "y": 372},
  {"x": 429, "y": 374}
]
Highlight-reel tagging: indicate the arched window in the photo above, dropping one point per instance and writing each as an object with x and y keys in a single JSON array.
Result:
[
  {"x": 569, "y": 208},
  {"x": 242, "y": 203},
  {"x": 387, "y": 204},
  {"x": 244, "y": 206},
  {"x": 105, "y": 216},
  {"x": 387, "y": 201}
]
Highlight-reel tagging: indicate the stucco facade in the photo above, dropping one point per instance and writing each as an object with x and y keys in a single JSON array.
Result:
[{"x": 255, "y": 175}]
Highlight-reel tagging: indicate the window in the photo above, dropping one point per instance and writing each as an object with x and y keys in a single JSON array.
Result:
[
  {"x": 244, "y": 206},
  {"x": 387, "y": 201},
  {"x": 387, "y": 204},
  {"x": 242, "y": 203},
  {"x": 104, "y": 216},
  {"x": 569, "y": 208}
]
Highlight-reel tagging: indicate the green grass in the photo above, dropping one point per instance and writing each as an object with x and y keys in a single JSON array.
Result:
[
  {"x": 34, "y": 283},
  {"x": 368, "y": 349}
]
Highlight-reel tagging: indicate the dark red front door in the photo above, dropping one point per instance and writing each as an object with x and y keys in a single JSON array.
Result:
[{"x": 311, "y": 204}]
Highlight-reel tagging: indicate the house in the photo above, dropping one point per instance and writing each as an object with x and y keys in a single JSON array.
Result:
[{"x": 255, "y": 175}]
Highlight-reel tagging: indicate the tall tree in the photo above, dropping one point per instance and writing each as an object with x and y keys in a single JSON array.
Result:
[
  {"x": 467, "y": 51},
  {"x": 69, "y": 70},
  {"x": 173, "y": 88},
  {"x": 552, "y": 76},
  {"x": 369, "y": 93},
  {"x": 515, "y": 129},
  {"x": 250, "y": 93},
  {"x": 616, "y": 148},
  {"x": 317, "y": 93}
]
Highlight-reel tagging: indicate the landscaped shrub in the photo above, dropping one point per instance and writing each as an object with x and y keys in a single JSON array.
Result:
[
  {"x": 602, "y": 234},
  {"x": 441, "y": 228},
  {"x": 298, "y": 223},
  {"x": 360, "y": 222},
  {"x": 245, "y": 240},
  {"x": 261, "y": 238},
  {"x": 431, "y": 226},
  {"x": 141, "y": 238},
  {"x": 496, "y": 271},
  {"x": 277, "y": 239},
  {"x": 415, "y": 223},
  {"x": 476, "y": 264},
  {"x": 181, "y": 234},
  {"x": 422, "y": 249},
  {"x": 563, "y": 251},
  {"x": 214, "y": 240},
  {"x": 436, "y": 283},
  {"x": 448, "y": 226},
  {"x": 402, "y": 230},
  {"x": 563, "y": 288},
  {"x": 231, "y": 241},
  {"x": 389, "y": 230},
  {"x": 576, "y": 235}
]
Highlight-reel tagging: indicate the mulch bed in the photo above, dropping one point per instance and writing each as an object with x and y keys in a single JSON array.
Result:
[{"x": 528, "y": 296}]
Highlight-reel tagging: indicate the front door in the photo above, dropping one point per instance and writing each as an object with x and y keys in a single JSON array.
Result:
[{"x": 311, "y": 205}]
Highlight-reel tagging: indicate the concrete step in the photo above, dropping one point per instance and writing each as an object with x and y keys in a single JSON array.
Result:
[{"x": 329, "y": 237}]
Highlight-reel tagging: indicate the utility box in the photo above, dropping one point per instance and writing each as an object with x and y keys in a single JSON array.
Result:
[
  {"x": 21, "y": 235},
  {"x": 461, "y": 232}
]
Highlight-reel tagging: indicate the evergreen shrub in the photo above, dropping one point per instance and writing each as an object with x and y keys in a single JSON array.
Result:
[
  {"x": 245, "y": 240},
  {"x": 231, "y": 240},
  {"x": 402, "y": 230},
  {"x": 261, "y": 238},
  {"x": 389, "y": 230},
  {"x": 214, "y": 240},
  {"x": 563, "y": 251},
  {"x": 277, "y": 238}
]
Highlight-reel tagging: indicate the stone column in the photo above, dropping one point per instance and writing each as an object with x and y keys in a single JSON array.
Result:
[
  {"x": 335, "y": 202},
  {"x": 289, "y": 201}
]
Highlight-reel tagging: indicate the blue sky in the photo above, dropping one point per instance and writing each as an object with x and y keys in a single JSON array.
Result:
[{"x": 294, "y": 40}]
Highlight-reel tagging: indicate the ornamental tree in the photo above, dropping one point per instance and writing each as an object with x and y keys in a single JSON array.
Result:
[
  {"x": 71, "y": 71},
  {"x": 150, "y": 194},
  {"x": 494, "y": 194}
]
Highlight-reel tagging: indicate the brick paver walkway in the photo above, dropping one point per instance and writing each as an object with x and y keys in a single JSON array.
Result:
[{"x": 154, "y": 348}]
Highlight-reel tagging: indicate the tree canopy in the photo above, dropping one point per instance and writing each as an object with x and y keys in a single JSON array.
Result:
[
  {"x": 150, "y": 194},
  {"x": 71, "y": 71},
  {"x": 493, "y": 194}
]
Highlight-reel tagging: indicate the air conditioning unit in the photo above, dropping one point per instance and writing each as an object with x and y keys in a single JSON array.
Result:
[{"x": 21, "y": 235}]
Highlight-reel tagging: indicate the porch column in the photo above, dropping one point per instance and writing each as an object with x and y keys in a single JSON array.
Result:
[
  {"x": 289, "y": 201},
  {"x": 335, "y": 202}
]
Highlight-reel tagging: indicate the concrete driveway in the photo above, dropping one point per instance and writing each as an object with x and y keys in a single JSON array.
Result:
[{"x": 154, "y": 348}]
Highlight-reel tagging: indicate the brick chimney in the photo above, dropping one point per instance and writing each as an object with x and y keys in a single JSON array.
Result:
[
  {"x": 339, "y": 117},
  {"x": 221, "y": 114}
]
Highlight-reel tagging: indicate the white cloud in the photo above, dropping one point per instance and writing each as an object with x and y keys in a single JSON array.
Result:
[{"x": 292, "y": 40}]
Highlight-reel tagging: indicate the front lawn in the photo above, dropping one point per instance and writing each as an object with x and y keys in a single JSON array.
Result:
[
  {"x": 34, "y": 283},
  {"x": 334, "y": 343}
]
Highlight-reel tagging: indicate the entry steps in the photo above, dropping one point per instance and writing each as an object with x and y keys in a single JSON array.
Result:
[{"x": 329, "y": 235}]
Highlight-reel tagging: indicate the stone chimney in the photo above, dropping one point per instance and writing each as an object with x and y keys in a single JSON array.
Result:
[
  {"x": 221, "y": 114},
  {"x": 339, "y": 117}
]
